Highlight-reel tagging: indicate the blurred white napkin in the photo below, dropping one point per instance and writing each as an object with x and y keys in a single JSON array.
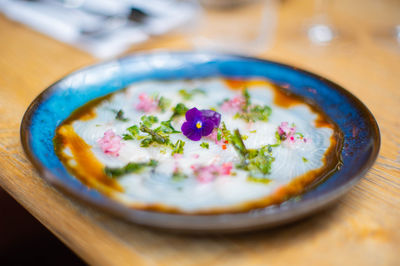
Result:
[{"x": 100, "y": 27}]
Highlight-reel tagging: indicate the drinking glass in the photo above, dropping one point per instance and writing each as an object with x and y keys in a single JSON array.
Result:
[{"x": 238, "y": 26}]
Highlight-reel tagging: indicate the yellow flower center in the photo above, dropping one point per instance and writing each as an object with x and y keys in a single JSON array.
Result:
[{"x": 199, "y": 124}]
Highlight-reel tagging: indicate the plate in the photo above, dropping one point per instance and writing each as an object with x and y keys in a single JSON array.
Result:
[{"x": 360, "y": 145}]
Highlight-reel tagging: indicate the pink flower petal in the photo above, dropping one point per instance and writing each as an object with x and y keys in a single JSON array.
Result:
[
  {"x": 177, "y": 156},
  {"x": 233, "y": 105},
  {"x": 110, "y": 143},
  {"x": 208, "y": 173},
  {"x": 146, "y": 103},
  {"x": 214, "y": 136},
  {"x": 290, "y": 134}
]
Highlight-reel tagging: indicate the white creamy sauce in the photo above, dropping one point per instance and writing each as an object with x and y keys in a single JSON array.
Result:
[{"x": 190, "y": 194}]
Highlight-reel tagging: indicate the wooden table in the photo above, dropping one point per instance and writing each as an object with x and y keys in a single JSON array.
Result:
[{"x": 362, "y": 229}]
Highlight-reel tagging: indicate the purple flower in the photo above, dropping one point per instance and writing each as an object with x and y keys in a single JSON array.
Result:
[{"x": 200, "y": 123}]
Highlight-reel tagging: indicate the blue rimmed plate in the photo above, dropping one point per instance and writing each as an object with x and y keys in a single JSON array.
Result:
[{"x": 50, "y": 108}]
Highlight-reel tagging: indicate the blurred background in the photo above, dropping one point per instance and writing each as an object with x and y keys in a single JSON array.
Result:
[
  {"x": 105, "y": 29},
  {"x": 108, "y": 28}
]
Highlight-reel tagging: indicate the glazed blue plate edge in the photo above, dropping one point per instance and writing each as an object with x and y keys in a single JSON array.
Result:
[{"x": 104, "y": 201}]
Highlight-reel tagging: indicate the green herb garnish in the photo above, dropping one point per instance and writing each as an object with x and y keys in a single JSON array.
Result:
[
  {"x": 237, "y": 142},
  {"x": 219, "y": 134},
  {"x": 258, "y": 180},
  {"x": 167, "y": 128},
  {"x": 178, "y": 147},
  {"x": 178, "y": 176},
  {"x": 253, "y": 112},
  {"x": 304, "y": 159},
  {"x": 278, "y": 140},
  {"x": 163, "y": 103},
  {"x": 205, "y": 145},
  {"x": 160, "y": 135},
  {"x": 225, "y": 132},
  {"x": 149, "y": 120},
  {"x": 179, "y": 110},
  {"x": 153, "y": 136},
  {"x": 261, "y": 113},
  {"x": 129, "y": 168},
  {"x": 146, "y": 142},
  {"x": 188, "y": 95},
  {"x": 133, "y": 133},
  {"x": 259, "y": 162},
  {"x": 246, "y": 96},
  {"x": 120, "y": 115},
  {"x": 256, "y": 161}
]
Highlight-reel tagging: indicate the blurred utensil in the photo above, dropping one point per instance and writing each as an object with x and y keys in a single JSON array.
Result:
[
  {"x": 104, "y": 28},
  {"x": 107, "y": 22}
]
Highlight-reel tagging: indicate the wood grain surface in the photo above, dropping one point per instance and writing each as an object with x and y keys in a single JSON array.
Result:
[{"x": 362, "y": 229}]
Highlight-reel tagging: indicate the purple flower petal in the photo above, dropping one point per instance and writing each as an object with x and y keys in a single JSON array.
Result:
[
  {"x": 200, "y": 123},
  {"x": 193, "y": 114},
  {"x": 212, "y": 116},
  {"x": 189, "y": 130},
  {"x": 207, "y": 127}
]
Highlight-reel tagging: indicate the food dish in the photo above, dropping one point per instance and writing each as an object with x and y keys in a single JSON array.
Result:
[
  {"x": 136, "y": 146},
  {"x": 359, "y": 131}
]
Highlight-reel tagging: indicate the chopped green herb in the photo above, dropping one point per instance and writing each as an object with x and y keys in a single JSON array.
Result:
[
  {"x": 179, "y": 110},
  {"x": 246, "y": 96},
  {"x": 178, "y": 176},
  {"x": 133, "y": 133},
  {"x": 146, "y": 142},
  {"x": 127, "y": 137},
  {"x": 120, "y": 116},
  {"x": 305, "y": 159},
  {"x": 178, "y": 147},
  {"x": 163, "y": 151},
  {"x": 256, "y": 161},
  {"x": 237, "y": 142},
  {"x": 226, "y": 133},
  {"x": 188, "y": 95},
  {"x": 149, "y": 120},
  {"x": 163, "y": 103},
  {"x": 278, "y": 140},
  {"x": 259, "y": 162},
  {"x": 205, "y": 145},
  {"x": 260, "y": 113},
  {"x": 167, "y": 128},
  {"x": 253, "y": 131},
  {"x": 253, "y": 112},
  {"x": 134, "y": 130},
  {"x": 258, "y": 180},
  {"x": 154, "y": 136},
  {"x": 244, "y": 137},
  {"x": 219, "y": 134},
  {"x": 129, "y": 168},
  {"x": 158, "y": 135}
]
